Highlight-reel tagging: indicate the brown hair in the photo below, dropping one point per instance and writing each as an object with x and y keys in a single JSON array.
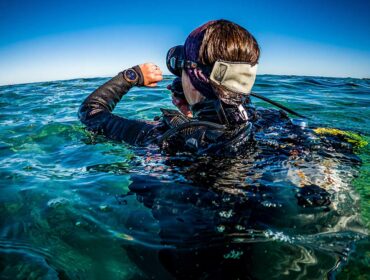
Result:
[
  {"x": 219, "y": 40},
  {"x": 228, "y": 41}
]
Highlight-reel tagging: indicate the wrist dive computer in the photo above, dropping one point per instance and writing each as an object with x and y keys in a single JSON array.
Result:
[{"x": 131, "y": 76}]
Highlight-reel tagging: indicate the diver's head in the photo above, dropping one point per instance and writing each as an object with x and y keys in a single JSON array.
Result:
[{"x": 217, "y": 61}]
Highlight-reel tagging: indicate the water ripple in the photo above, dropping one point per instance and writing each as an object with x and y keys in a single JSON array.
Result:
[{"x": 76, "y": 206}]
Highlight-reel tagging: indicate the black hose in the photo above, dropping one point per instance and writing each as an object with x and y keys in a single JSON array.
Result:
[{"x": 278, "y": 105}]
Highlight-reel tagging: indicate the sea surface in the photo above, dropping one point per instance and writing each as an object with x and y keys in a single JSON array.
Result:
[{"x": 78, "y": 206}]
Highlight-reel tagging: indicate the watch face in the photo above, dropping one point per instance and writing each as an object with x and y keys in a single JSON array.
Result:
[{"x": 131, "y": 75}]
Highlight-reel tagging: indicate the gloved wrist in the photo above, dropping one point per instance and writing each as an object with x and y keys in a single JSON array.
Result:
[{"x": 140, "y": 81}]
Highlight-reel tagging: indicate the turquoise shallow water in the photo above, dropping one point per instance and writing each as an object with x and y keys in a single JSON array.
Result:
[{"x": 76, "y": 206}]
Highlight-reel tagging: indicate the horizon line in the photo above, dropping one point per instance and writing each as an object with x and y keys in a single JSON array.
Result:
[{"x": 106, "y": 77}]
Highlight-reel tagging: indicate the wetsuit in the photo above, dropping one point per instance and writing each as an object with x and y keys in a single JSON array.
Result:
[
  {"x": 173, "y": 132},
  {"x": 239, "y": 195},
  {"x": 207, "y": 133},
  {"x": 96, "y": 113}
]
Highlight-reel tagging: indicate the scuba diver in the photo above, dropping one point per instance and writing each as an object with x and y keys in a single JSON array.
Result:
[
  {"x": 209, "y": 224},
  {"x": 216, "y": 69}
]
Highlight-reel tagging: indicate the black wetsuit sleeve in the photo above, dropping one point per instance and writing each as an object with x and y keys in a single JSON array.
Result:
[{"x": 96, "y": 113}]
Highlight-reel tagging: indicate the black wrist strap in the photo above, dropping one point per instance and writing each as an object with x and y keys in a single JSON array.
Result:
[{"x": 140, "y": 81}]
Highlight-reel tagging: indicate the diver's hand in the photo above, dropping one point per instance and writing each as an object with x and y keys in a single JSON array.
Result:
[
  {"x": 181, "y": 104},
  {"x": 151, "y": 73}
]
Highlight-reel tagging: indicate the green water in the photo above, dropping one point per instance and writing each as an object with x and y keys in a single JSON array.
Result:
[{"x": 67, "y": 212}]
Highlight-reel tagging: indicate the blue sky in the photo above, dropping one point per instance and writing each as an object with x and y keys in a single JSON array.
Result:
[{"x": 49, "y": 40}]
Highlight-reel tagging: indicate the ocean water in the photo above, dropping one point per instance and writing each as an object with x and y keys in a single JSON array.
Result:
[{"x": 78, "y": 206}]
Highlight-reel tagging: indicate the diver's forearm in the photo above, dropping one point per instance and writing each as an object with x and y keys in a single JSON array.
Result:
[{"x": 109, "y": 94}]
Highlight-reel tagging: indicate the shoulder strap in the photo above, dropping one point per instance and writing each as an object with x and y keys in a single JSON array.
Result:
[{"x": 173, "y": 118}]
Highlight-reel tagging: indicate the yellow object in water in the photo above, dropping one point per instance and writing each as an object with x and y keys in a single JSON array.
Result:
[{"x": 357, "y": 140}]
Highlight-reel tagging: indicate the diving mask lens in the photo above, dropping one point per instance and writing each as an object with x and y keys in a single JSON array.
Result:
[
  {"x": 175, "y": 60},
  {"x": 172, "y": 63}
]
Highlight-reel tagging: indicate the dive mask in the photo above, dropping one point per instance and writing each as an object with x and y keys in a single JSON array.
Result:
[
  {"x": 175, "y": 61},
  {"x": 237, "y": 77}
]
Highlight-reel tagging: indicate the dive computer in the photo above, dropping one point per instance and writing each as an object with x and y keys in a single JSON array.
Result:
[{"x": 131, "y": 76}]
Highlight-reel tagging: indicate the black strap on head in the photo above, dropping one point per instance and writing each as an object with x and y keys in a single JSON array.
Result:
[{"x": 176, "y": 61}]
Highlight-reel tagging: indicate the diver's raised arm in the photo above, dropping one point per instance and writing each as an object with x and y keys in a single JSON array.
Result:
[
  {"x": 96, "y": 111},
  {"x": 106, "y": 97}
]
